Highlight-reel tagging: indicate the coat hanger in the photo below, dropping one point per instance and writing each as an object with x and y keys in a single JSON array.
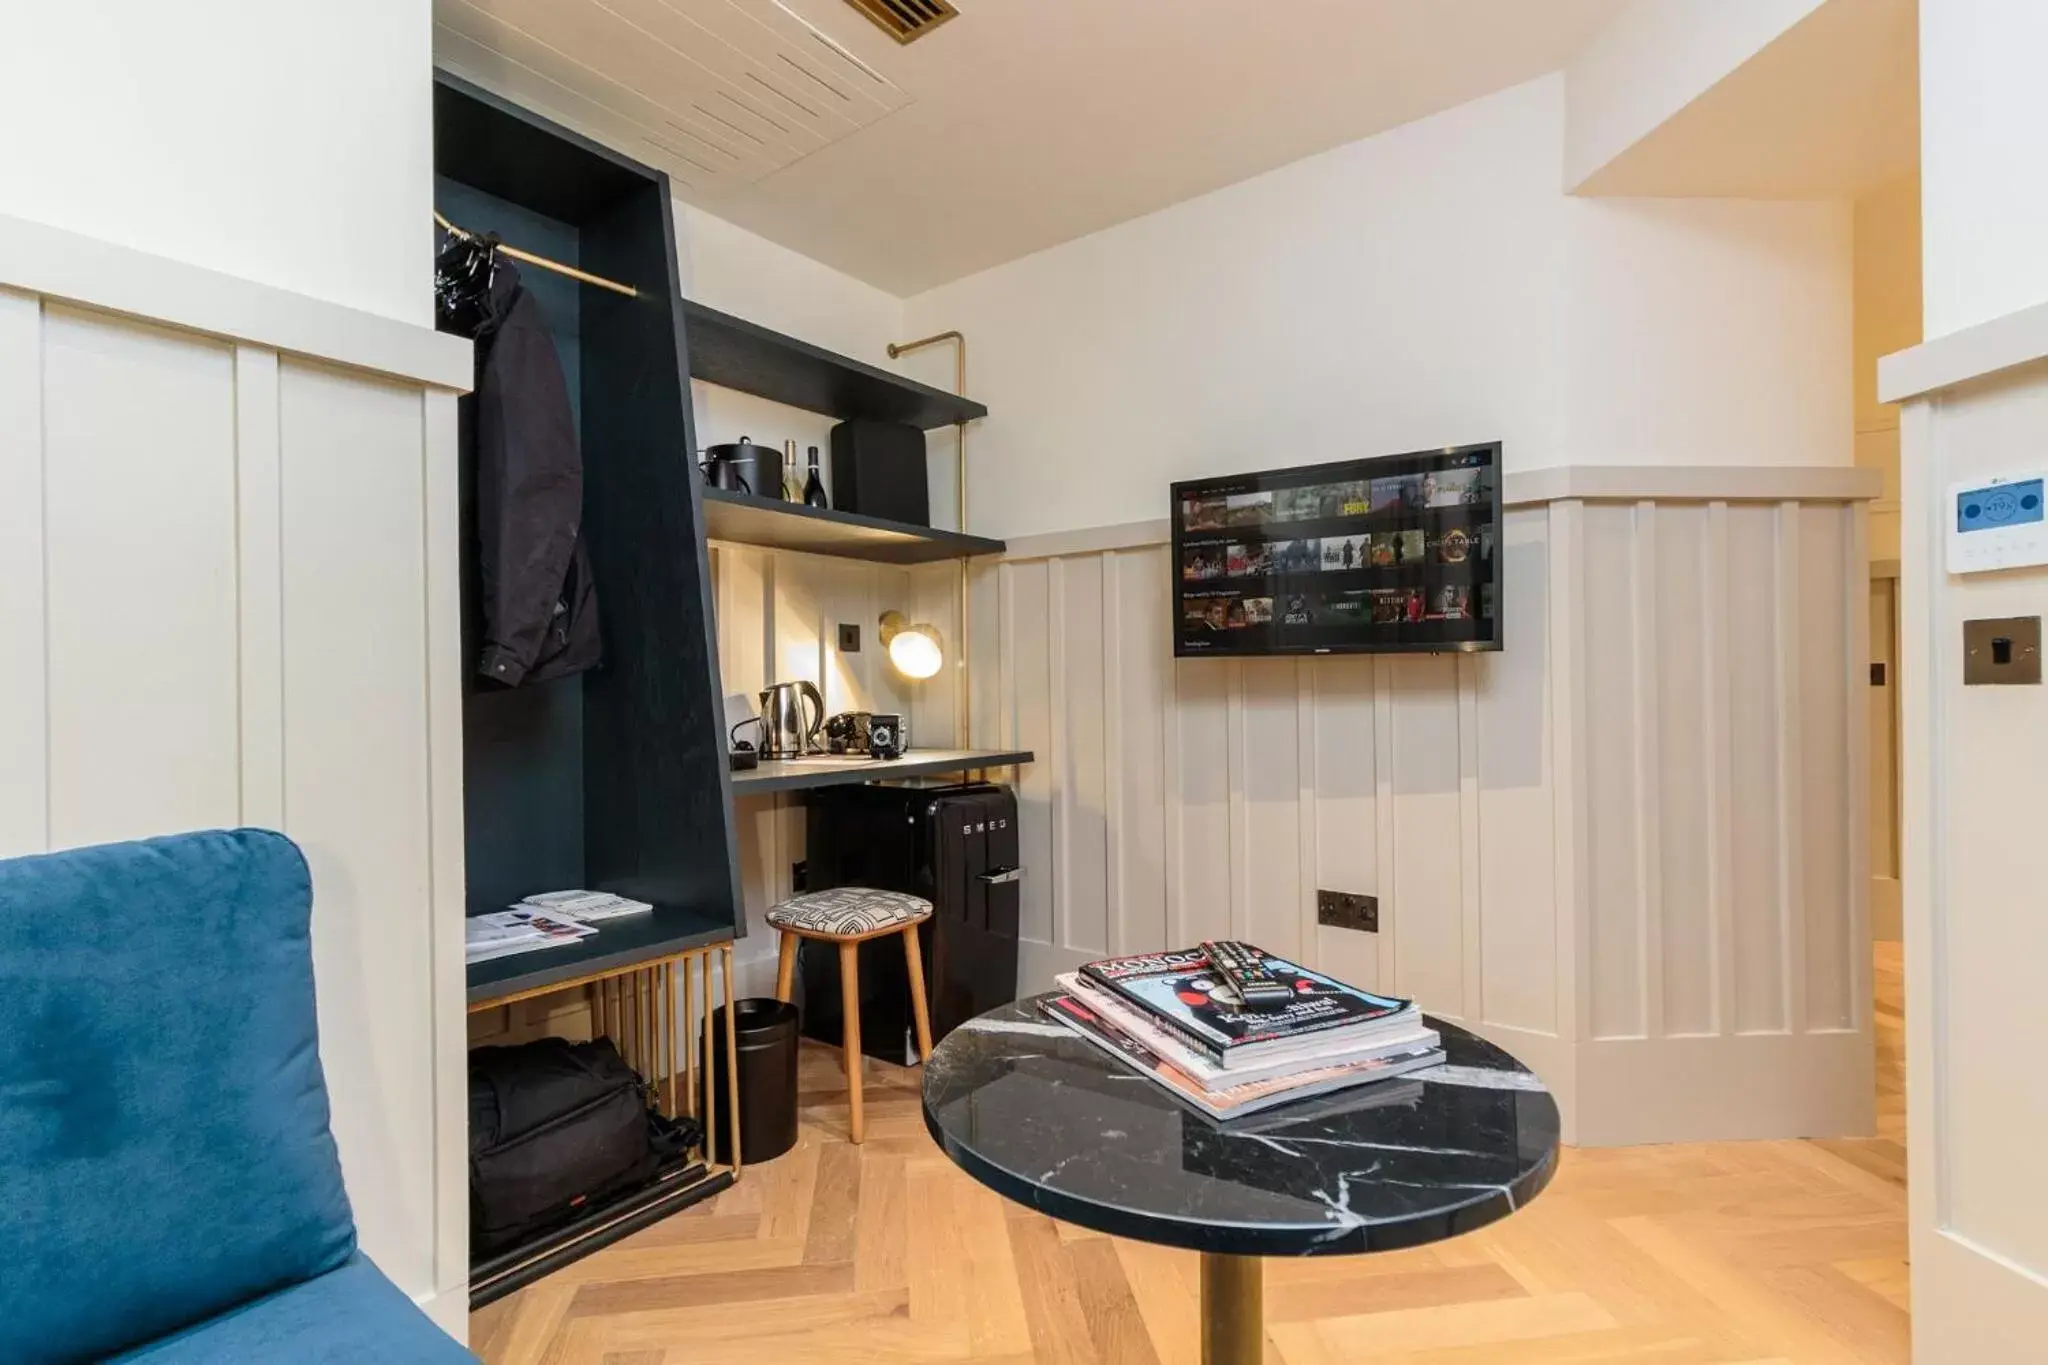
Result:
[{"x": 543, "y": 262}]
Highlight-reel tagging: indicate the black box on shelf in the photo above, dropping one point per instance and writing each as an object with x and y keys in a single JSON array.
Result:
[{"x": 878, "y": 470}]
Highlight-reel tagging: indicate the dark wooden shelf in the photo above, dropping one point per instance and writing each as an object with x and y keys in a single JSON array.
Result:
[
  {"x": 617, "y": 944},
  {"x": 668, "y": 1193},
  {"x": 737, "y": 354},
  {"x": 841, "y": 770},
  {"x": 749, "y": 520}
]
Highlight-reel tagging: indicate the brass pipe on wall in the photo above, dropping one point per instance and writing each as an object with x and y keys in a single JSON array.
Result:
[{"x": 963, "y": 696}]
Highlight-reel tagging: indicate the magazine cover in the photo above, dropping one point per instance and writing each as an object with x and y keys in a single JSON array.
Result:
[
  {"x": 1213, "y": 1074},
  {"x": 1229, "y": 1101},
  {"x": 521, "y": 930},
  {"x": 1180, "y": 989}
]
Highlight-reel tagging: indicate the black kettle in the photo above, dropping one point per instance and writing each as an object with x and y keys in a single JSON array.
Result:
[{"x": 743, "y": 467}]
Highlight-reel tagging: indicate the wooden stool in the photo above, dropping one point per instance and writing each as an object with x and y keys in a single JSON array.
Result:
[{"x": 849, "y": 916}]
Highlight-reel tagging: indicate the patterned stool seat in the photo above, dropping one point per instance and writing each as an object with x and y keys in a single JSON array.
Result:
[{"x": 849, "y": 912}]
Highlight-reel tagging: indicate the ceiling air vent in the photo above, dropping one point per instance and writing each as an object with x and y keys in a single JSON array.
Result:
[{"x": 906, "y": 20}]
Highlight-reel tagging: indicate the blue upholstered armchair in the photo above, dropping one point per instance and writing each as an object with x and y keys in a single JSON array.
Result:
[{"x": 169, "y": 1189}]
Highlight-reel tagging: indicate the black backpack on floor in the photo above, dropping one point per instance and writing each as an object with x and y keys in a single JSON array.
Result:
[{"x": 555, "y": 1128}]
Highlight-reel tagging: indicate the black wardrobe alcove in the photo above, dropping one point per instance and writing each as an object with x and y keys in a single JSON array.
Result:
[{"x": 614, "y": 779}]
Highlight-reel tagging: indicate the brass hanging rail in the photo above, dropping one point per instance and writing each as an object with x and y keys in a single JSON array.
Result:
[{"x": 544, "y": 263}]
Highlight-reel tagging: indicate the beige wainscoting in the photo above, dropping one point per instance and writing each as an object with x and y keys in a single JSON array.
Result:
[{"x": 1629, "y": 847}]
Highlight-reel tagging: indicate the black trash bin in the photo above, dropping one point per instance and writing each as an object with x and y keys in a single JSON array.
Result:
[{"x": 767, "y": 1048}]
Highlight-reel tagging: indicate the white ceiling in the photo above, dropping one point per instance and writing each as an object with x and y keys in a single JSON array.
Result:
[{"x": 1019, "y": 125}]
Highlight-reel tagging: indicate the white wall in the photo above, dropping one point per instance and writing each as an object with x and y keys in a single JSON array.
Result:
[
  {"x": 1707, "y": 332},
  {"x": 1429, "y": 286},
  {"x": 1395, "y": 293},
  {"x": 1982, "y": 106},
  {"x": 1746, "y": 99},
  {"x": 285, "y": 143},
  {"x": 735, "y": 271},
  {"x": 1653, "y": 59}
]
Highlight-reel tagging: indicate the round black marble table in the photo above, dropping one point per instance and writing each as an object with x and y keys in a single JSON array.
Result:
[{"x": 1044, "y": 1117}]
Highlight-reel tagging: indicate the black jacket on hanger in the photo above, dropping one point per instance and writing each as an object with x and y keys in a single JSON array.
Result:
[{"x": 537, "y": 604}]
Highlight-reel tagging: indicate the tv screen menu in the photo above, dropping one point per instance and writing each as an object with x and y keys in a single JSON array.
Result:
[{"x": 1395, "y": 554}]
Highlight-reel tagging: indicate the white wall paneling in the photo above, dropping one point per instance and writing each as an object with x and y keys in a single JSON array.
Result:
[
  {"x": 24, "y": 682},
  {"x": 141, "y": 626},
  {"x": 259, "y": 525},
  {"x": 357, "y": 792},
  {"x": 116, "y": 279},
  {"x": 1623, "y": 847},
  {"x": 227, "y": 587},
  {"x": 448, "y": 886},
  {"x": 1133, "y": 683},
  {"x": 1971, "y": 779},
  {"x": 1510, "y": 777},
  {"x": 1725, "y": 715}
]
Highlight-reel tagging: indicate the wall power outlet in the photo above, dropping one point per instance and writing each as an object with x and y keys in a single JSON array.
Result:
[{"x": 1348, "y": 910}]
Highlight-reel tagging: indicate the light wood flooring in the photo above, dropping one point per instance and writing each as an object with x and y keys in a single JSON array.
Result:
[{"x": 1768, "y": 1253}]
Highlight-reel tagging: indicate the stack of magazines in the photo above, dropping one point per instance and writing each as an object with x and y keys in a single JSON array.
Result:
[
  {"x": 548, "y": 920},
  {"x": 1175, "y": 1020}
]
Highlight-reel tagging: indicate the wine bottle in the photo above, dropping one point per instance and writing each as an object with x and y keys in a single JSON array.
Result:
[{"x": 814, "y": 487}]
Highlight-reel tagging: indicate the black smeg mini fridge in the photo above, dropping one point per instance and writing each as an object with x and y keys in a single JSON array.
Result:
[{"x": 956, "y": 846}]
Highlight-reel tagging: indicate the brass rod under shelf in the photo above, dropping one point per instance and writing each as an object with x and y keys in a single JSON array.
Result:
[
  {"x": 963, "y": 686},
  {"x": 710, "y": 1072},
  {"x": 689, "y": 1044},
  {"x": 732, "y": 1061}
]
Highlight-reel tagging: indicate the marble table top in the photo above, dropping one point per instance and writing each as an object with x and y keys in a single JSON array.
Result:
[{"x": 1044, "y": 1117}]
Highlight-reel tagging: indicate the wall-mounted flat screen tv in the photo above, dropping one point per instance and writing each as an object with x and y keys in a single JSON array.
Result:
[{"x": 1399, "y": 554}]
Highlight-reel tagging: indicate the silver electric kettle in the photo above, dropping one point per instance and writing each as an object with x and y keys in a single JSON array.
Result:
[{"x": 786, "y": 733}]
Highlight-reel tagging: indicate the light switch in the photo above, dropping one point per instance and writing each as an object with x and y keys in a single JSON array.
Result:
[{"x": 2002, "y": 649}]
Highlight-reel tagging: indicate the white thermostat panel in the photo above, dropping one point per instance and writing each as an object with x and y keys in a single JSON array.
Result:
[{"x": 1997, "y": 524}]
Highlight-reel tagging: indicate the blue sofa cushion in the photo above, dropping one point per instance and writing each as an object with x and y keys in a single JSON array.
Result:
[
  {"x": 350, "y": 1316},
  {"x": 164, "y": 1144}
]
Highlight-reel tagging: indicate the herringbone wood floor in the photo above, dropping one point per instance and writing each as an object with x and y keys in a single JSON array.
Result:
[{"x": 1760, "y": 1253}]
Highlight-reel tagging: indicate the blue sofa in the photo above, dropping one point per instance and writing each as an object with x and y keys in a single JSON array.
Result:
[{"x": 169, "y": 1188}]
